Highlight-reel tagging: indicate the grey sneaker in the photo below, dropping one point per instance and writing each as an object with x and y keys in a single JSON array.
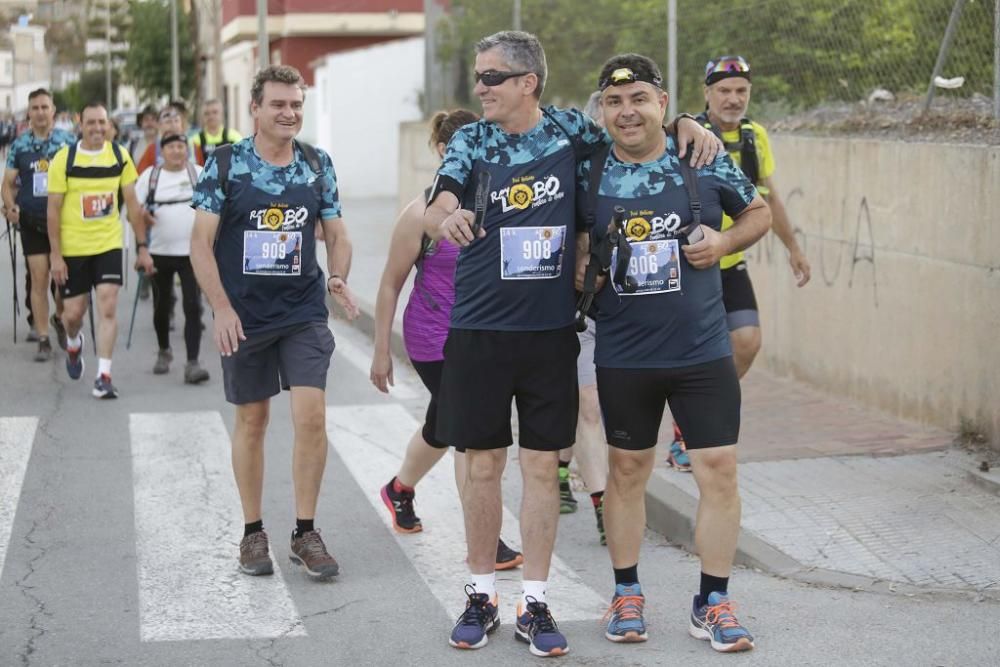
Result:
[
  {"x": 194, "y": 373},
  {"x": 44, "y": 352},
  {"x": 310, "y": 552},
  {"x": 163, "y": 359},
  {"x": 60, "y": 330},
  {"x": 255, "y": 559}
]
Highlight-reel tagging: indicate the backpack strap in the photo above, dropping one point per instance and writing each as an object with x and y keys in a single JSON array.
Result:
[
  {"x": 580, "y": 150},
  {"x": 202, "y": 140},
  {"x": 154, "y": 180},
  {"x": 312, "y": 158},
  {"x": 95, "y": 172},
  {"x": 597, "y": 161},
  {"x": 223, "y": 156},
  {"x": 192, "y": 174}
]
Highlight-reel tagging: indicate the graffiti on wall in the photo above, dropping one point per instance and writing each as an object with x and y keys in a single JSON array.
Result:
[{"x": 832, "y": 246}]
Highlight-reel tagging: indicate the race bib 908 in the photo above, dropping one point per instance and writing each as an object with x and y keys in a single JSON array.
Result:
[{"x": 528, "y": 253}]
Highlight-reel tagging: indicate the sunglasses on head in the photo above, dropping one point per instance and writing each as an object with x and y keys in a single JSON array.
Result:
[
  {"x": 491, "y": 77},
  {"x": 727, "y": 64}
]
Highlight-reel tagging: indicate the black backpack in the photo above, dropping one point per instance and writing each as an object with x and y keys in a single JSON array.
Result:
[
  {"x": 746, "y": 146},
  {"x": 95, "y": 172},
  {"x": 154, "y": 179}
]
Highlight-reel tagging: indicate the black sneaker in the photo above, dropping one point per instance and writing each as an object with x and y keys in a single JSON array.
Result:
[
  {"x": 74, "y": 361},
  {"x": 103, "y": 387},
  {"x": 44, "y": 352},
  {"x": 480, "y": 618},
  {"x": 507, "y": 558},
  {"x": 400, "y": 506},
  {"x": 255, "y": 558}
]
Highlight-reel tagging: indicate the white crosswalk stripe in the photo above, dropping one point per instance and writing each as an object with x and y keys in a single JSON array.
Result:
[
  {"x": 185, "y": 504},
  {"x": 371, "y": 439},
  {"x": 17, "y": 435}
]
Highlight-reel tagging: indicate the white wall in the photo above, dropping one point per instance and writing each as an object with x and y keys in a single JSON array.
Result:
[
  {"x": 361, "y": 97},
  {"x": 238, "y": 70}
]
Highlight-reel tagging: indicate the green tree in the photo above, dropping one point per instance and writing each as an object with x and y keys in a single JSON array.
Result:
[{"x": 148, "y": 64}]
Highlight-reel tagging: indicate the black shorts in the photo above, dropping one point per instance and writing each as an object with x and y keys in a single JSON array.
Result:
[
  {"x": 485, "y": 370},
  {"x": 738, "y": 298},
  {"x": 294, "y": 356},
  {"x": 430, "y": 375},
  {"x": 34, "y": 241},
  {"x": 704, "y": 400},
  {"x": 91, "y": 270}
]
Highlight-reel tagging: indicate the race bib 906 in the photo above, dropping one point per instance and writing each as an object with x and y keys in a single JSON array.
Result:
[
  {"x": 272, "y": 253},
  {"x": 655, "y": 265},
  {"x": 528, "y": 253}
]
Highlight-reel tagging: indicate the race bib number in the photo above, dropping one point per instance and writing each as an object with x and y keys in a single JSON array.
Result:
[
  {"x": 40, "y": 184},
  {"x": 272, "y": 253},
  {"x": 655, "y": 265},
  {"x": 96, "y": 206},
  {"x": 528, "y": 253}
]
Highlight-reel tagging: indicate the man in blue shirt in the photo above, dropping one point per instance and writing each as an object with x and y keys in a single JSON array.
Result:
[
  {"x": 662, "y": 338},
  {"x": 25, "y": 197},
  {"x": 258, "y": 204},
  {"x": 512, "y": 335}
]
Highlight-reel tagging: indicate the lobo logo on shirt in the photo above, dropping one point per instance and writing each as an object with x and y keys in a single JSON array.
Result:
[
  {"x": 279, "y": 216},
  {"x": 528, "y": 192},
  {"x": 643, "y": 224}
]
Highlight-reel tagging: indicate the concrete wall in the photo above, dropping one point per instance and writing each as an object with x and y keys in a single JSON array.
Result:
[{"x": 903, "y": 310}]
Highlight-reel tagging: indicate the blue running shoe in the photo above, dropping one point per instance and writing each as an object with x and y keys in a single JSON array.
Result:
[
  {"x": 624, "y": 617},
  {"x": 716, "y": 623},
  {"x": 480, "y": 618},
  {"x": 678, "y": 458},
  {"x": 74, "y": 360},
  {"x": 103, "y": 387},
  {"x": 536, "y": 628}
]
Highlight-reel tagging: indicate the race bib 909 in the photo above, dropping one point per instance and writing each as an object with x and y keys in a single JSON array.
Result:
[{"x": 272, "y": 253}]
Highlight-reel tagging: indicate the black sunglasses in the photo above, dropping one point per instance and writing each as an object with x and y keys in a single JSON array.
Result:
[{"x": 492, "y": 77}]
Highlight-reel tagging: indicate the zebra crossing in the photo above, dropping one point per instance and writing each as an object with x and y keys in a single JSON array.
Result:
[{"x": 186, "y": 505}]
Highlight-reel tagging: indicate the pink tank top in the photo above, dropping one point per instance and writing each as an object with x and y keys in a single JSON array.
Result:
[{"x": 428, "y": 312}]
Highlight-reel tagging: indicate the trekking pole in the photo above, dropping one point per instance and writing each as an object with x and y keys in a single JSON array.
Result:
[
  {"x": 90, "y": 314},
  {"x": 12, "y": 245},
  {"x": 482, "y": 201},
  {"x": 135, "y": 305}
]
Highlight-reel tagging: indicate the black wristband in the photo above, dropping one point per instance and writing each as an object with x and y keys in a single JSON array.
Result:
[{"x": 140, "y": 244}]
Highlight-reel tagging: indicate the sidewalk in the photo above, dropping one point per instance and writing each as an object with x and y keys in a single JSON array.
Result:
[{"x": 833, "y": 492}]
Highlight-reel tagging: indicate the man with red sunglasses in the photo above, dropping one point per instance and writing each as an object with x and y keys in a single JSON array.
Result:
[{"x": 727, "y": 96}]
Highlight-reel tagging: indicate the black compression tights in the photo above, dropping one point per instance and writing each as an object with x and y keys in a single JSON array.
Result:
[{"x": 163, "y": 298}]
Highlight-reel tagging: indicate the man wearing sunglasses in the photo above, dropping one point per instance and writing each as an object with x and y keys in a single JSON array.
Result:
[
  {"x": 661, "y": 338},
  {"x": 512, "y": 335}
]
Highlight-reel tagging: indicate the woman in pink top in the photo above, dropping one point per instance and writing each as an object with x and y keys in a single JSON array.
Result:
[{"x": 425, "y": 328}]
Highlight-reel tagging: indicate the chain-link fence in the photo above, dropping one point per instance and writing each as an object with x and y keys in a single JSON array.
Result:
[{"x": 809, "y": 58}]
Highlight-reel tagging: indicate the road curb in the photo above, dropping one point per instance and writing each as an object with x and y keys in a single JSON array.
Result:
[{"x": 989, "y": 481}]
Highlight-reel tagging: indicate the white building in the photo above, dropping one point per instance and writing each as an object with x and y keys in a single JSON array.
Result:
[{"x": 358, "y": 122}]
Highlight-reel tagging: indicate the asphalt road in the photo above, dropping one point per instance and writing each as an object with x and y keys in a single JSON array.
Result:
[{"x": 118, "y": 536}]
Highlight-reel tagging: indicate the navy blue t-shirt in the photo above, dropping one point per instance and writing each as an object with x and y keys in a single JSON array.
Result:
[
  {"x": 676, "y": 317},
  {"x": 31, "y": 156},
  {"x": 266, "y": 248},
  {"x": 519, "y": 277}
]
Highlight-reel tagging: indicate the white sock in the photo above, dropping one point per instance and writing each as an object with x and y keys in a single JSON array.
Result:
[
  {"x": 533, "y": 589},
  {"x": 485, "y": 583},
  {"x": 104, "y": 367},
  {"x": 76, "y": 342}
]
